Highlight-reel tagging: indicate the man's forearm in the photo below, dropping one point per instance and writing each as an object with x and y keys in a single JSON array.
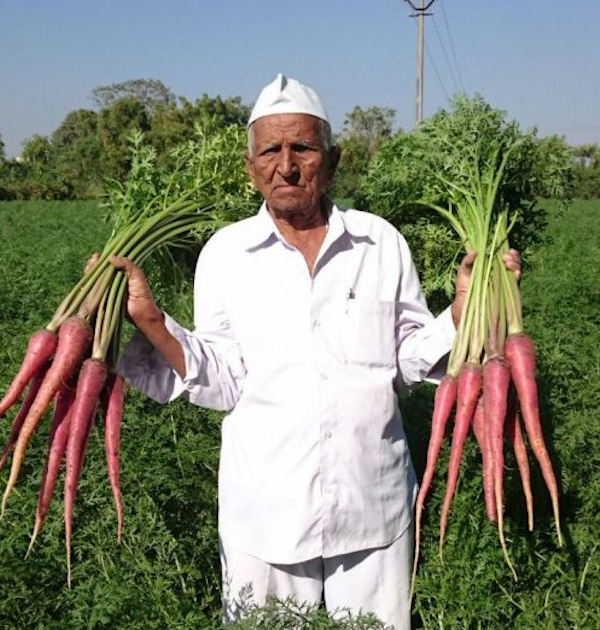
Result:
[{"x": 155, "y": 330}]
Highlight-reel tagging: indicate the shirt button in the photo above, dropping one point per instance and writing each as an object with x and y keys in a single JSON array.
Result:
[
  {"x": 324, "y": 376},
  {"x": 328, "y": 434},
  {"x": 316, "y": 323}
]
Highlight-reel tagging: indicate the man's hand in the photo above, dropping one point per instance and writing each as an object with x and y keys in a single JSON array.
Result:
[
  {"x": 144, "y": 313},
  {"x": 141, "y": 307},
  {"x": 512, "y": 261}
]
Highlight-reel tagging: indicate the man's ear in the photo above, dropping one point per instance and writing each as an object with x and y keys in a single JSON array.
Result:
[
  {"x": 334, "y": 159},
  {"x": 250, "y": 168}
]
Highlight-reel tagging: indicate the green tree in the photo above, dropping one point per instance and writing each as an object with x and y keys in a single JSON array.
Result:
[
  {"x": 372, "y": 125},
  {"x": 364, "y": 131},
  {"x": 150, "y": 92},
  {"x": 36, "y": 177},
  {"x": 554, "y": 172},
  {"x": 586, "y": 159},
  {"x": 115, "y": 123},
  {"x": 78, "y": 151},
  {"x": 173, "y": 124},
  {"x": 37, "y": 151}
]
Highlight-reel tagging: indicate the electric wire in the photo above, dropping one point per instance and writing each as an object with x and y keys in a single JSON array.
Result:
[
  {"x": 432, "y": 62},
  {"x": 448, "y": 63},
  {"x": 462, "y": 85}
]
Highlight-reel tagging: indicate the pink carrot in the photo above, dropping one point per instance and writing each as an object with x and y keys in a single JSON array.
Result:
[
  {"x": 92, "y": 377},
  {"x": 445, "y": 395},
  {"x": 40, "y": 348},
  {"x": 520, "y": 353},
  {"x": 19, "y": 419},
  {"x": 487, "y": 465},
  {"x": 515, "y": 438},
  {"x": 112, "y": 405},
  {"x": 469, "y": 388},
  {"x": 57, "y": 440},
  {"x": 74, "y": 338},
  {"x": 496, "y": 378}
]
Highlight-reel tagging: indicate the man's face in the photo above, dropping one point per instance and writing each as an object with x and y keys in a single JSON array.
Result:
[{"x": 289, "y": 165}]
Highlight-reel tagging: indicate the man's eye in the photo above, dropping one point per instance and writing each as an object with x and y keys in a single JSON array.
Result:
[{"x": 300, "y": 148}]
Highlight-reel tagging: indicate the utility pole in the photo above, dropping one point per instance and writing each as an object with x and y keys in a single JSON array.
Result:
[{"x": 420, "y": 12}]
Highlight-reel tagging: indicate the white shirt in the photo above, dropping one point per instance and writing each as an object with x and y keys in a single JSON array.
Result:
[{"x": 314, "y": 459}]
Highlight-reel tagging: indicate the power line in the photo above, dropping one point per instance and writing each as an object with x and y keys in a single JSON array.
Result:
[
  {"x": 430, "y": 58},
  {"x": 450, "y": 68},
  {"x": 452, "y": 47}
]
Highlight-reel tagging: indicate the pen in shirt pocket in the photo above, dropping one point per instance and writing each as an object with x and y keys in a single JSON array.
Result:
[{"x": 350, "y": 295}]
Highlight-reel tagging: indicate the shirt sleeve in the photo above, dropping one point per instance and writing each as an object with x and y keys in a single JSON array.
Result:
[
  {"x": 214, "y": 367},
  {"x": 424, "y": 341}
]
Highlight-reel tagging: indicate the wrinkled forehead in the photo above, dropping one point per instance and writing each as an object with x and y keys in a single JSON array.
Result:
[{"x": 287, "y": 128}]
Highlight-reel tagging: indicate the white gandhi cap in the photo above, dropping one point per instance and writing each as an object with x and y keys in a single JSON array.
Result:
[{"x": 287, "y": 96}]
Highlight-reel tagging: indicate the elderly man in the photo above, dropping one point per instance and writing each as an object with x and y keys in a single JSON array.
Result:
[{"x": 308, "y": 319}]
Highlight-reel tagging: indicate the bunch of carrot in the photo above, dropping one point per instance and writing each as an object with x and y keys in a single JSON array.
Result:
[
  {"x": 71, "y": 362},
  {"x": 490, "y": 376}
]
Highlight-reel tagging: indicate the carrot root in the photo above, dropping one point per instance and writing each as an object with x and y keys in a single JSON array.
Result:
[
  {"x": 496, "y": 379},
  {"x": 515, "y": 438},
  {"x": 520, "y": 353},
  {"x": 19, "y": 419},
  {"x": 57, "y": 441},
  {"x": 74, "y": 338},
  {"x": 445, "y": 396},
  {"x": 486, "y": 461},
  {"x": 112, "y": 405},
  {"x": 92, "y": 377},
  {"x": 40, "y": 348},
  {"x": 469, "y": 389}
]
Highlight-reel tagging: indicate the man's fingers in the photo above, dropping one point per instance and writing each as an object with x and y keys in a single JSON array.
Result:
[
  {"x": 122, "y": 264},
  {"x": 91, "y": 261},
  {"x": 468, "y": 259},
  {"x": 512, "y": 260}
]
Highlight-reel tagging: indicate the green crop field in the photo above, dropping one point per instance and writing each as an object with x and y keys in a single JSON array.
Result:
[{"x": 165, "y": 573}]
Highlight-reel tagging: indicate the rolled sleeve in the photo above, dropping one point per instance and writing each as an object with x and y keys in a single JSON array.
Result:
[
  {"x": 423, "y": 353},
  {"x": 145, "y": 369}
]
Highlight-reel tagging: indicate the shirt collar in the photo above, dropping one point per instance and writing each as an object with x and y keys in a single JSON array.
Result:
[{"x": 262, "y": 231}]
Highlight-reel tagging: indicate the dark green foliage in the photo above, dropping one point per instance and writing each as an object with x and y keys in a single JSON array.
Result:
[
  {"x": 284, "y": 615},
  {"x": 90, "y": 147},
  {"x": 587, "y": 170},
  {"x": 115, "y": 123},
  {"x": 78, "y": 152},
  {"x": 364, "y": 131},
  {"x": 151, "y": 93},
  {"x": 413, "y": 169}
]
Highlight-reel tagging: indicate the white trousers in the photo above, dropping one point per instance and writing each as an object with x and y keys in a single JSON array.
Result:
[{"x": 374, "y": 580}]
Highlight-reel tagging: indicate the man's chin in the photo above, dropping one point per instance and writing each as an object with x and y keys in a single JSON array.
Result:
[{"x": 289, "y": 204}]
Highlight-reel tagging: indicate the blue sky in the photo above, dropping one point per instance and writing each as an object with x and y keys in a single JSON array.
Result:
[{"x": 538, "y": 60}]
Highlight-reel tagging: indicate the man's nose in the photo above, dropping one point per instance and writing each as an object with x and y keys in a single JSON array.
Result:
[{"x": 287, "y": 164}]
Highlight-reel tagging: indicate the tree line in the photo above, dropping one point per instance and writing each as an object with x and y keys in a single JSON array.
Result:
[{"x": 92, "y": 146}]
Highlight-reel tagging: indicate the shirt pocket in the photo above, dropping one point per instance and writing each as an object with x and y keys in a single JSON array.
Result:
[{"x": 369, "y": 333}]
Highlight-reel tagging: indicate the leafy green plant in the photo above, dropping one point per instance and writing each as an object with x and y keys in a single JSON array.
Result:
[{"x": 408, "y": 172}]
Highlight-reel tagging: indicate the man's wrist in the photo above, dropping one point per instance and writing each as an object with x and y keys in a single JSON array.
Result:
[
  {"x": 457, "y": 306},
  {"x": 151, "y": 320}
]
